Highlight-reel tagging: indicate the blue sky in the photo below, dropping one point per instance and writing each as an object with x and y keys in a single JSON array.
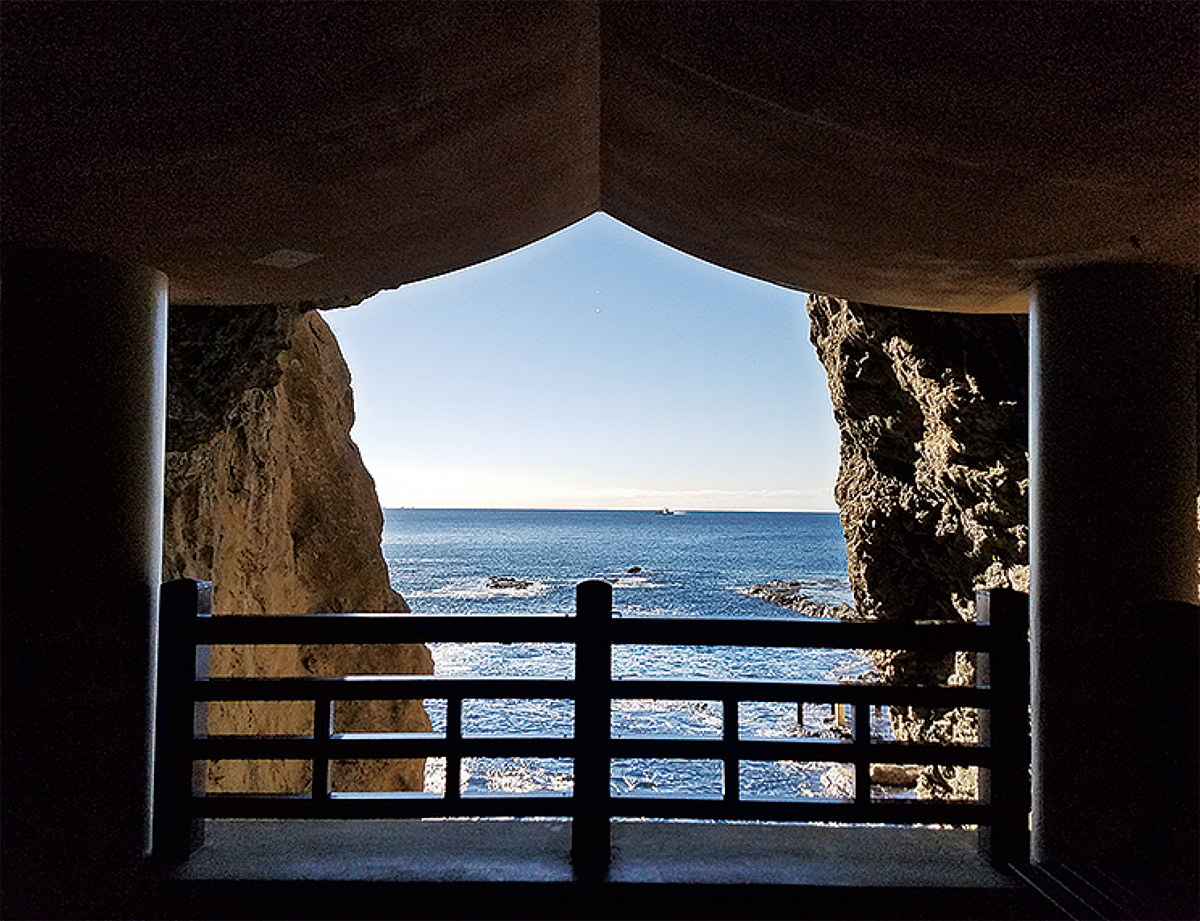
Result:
[{"x": 595, "y": 368}]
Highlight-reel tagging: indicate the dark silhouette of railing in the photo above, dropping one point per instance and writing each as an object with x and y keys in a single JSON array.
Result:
[{"x": 183, "y": 747}]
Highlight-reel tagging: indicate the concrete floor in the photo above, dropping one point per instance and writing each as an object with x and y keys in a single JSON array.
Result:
[
  {"x": 643, "y": 852},
  {"x": 520, "y": 871}
]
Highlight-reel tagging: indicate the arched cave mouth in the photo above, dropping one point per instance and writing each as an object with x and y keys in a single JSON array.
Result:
[
  {"x": 518, "y": 378},
  {"x": 548, "y": 404}
]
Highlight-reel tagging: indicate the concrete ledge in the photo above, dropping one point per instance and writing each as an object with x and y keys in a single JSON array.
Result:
[
  {"x": 406, "y": 850},
  {"x": 807, "y": 855},
  {"x": 520, "y": 870},
  {"x": 643, "y": 852}
]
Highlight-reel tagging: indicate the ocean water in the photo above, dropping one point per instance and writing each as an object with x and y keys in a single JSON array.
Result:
[{"x": 691, "y": 564}]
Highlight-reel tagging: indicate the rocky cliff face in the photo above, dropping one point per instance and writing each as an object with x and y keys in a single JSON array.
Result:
[
  {"x": 933, "y": 482},
  {"x": 267, "y": 497}
]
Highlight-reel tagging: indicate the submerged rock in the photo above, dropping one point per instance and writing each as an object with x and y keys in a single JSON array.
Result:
[
  {"x": 267, "y": 497},
  {"x": 791, "y": 595},
  {"x": 508, "y": 582}
]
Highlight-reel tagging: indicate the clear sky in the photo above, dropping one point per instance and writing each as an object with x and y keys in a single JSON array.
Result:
[{"x": 595, "y": 368}]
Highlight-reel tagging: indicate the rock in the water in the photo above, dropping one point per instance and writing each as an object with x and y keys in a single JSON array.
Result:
[
  {"x": 508, "y": 582},
  {"x": 267, "y": 497},
  {"x": 933, "y": 483},
  {"x": 634, "y": 570},
  {"x": 791, "y": 595}
]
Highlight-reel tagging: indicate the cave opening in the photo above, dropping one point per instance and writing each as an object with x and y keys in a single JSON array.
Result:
[
  {"x": 541, "y": 419},
  {"x": 630, "y": 414},
  {"x": 529, "y": 420}
]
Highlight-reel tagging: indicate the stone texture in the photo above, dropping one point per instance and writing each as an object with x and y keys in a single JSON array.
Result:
[
  {"x": 267, "y": 497},
  {"x": 933, "y": 482}
]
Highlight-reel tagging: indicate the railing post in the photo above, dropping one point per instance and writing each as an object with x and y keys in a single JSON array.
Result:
[
  {"x": 453, "y": 791},
  {"x": 1005, "y": 727},
  {"x": 322, "y": 733},
  {"x": 731, "y": 764},
  {"x": 862, "y": 754},
  {"x": 177, "y": 832},
  {"x": 590, "y": 847}
]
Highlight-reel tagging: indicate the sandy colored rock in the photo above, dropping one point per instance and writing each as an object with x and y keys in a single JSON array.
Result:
[
  {"x": 267, "y": 497},
  {"x": 895, "y": 775}
]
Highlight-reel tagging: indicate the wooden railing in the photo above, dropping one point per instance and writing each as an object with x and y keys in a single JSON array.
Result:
[{"x": 184, "y": 747}]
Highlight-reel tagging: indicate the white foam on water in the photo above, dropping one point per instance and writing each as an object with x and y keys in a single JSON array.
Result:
[
  {"x": 529, "y": 775},
  {"x": 626, "y": 582}
]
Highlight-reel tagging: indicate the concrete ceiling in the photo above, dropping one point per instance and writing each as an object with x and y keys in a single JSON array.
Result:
[{"x": 933, "y": 155}]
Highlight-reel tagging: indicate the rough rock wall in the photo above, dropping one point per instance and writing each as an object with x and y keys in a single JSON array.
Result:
[
  {"x": 933, "y": 483},
  {"x": 267, "y": 497}
]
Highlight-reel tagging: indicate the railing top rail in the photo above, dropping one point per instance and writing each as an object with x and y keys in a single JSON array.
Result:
[
  {"x": 383, "y": 687},
  {"x": 674, "y": 631},
  {"x": 383, "y": 628}
]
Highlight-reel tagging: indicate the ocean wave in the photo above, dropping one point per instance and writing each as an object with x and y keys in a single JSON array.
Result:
[
  {"x": 626, "y": 582},
  {"x": 503, "y": 775},
  {"x": 527, "y": 775}
]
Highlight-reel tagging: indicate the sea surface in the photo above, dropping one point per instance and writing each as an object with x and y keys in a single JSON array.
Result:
[{"x": 686, "y": 564}]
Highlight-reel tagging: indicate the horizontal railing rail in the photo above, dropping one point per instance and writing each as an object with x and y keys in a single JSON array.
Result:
[
  {"x": 932, "y": 636},
  {"x": 406, "y": 687},
  {"x": 185, "y": 747}
]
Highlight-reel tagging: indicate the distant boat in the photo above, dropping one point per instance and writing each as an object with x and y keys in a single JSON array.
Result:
[{"x": 665, "y": 511}]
